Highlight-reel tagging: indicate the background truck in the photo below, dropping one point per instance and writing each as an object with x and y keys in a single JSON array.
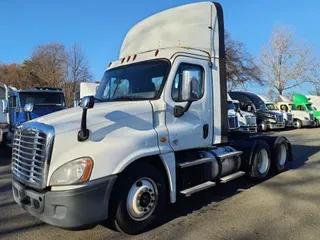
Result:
[
  {"x": 302, "y": 103},
  {"x": 86, "y": 89},
  {"x": 4, "y": 117},
  {"x": 247, "y": 122},
  {"x": 43, "y": 101},
  {"x": 156, "y": 128},
  {"x": 300, "y": 118},
  {"x": 273, "y": 108},
  {"x": 315, "y": 101},
  {"x": 266, "y": 119}
]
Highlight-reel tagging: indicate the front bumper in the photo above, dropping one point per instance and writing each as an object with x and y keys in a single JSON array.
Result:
[
  {"x": 276, "y": 125},
  {"x": 307, "y": 123},
  {"x": 67, "y": 209},
  {"x": 251, "y": 129}
]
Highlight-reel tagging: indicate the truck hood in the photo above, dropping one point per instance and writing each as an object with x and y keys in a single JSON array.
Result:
[{"x": 70, "y": 119}]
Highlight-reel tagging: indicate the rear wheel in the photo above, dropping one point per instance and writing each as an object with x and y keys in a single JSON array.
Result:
[
  {"x": 140, "y": 199},
  {"x": 261, "y": 161},
  {"x": 297, "y": 124},
  {"x": 280, "y": 156}
]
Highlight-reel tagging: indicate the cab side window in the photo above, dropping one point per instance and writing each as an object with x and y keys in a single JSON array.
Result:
[
  {"x": 284, "y": 108},
  {"x": 197, "y": 81},
  {"x": 301, "y": 108}
]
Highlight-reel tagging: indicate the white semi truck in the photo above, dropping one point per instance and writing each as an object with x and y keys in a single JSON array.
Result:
[
  {"x": 156, "y": 128},
  {"x": 247, "y": 122},
  {"x": 300, "y": 118}
]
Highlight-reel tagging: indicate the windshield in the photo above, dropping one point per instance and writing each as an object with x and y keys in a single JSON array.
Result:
[
  {"x": 231, "y": 106},
  {"x": 261, "y": 106},
  {"x": 133, "y": 82},
  {"x": 293, "y": 106},
  {"x": 309, "y": 107},
  {"x": 42, "y": 98},
  {"x": 270, "y": 106}
]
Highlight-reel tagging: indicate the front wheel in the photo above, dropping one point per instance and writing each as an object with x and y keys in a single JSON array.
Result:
[
  {"x": 141, "y": 198},
  {"x": 297, "y": 124},
  {"x": 317, "y": 123},
  {"x": 261, "y": 161}
]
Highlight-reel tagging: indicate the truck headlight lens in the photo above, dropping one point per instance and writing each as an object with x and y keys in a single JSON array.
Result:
[
  {"x": 272, "y": 121},
  {"x": 76, "y": 171}
]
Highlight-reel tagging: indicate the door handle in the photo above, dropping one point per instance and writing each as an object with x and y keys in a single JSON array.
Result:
[{"x": 205, "y": 131}]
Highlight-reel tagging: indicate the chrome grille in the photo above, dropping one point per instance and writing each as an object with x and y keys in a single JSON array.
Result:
[
  {"x": 311, "y": 116},
  {"x": 251, "y": 120},
  {"x": 279, "y": 118},
  {"x": 233, "y": 122},
  {"x": 30, "y": 153}
]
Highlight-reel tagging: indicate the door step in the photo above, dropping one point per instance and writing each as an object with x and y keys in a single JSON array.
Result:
[
  {"x": 229, "y": 155},
  {"x": 203, "y": 186},
  {"x": 194, "y": 163},
  {"x": 232, "y": 177}
]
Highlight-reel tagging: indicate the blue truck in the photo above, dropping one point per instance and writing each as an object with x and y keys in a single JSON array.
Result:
[{"x": 24, "y": 105}]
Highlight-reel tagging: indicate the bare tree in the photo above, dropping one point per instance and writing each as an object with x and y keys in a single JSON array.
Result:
[
  {"x": 240, "y": 66},
  {"x": 14, "y": 75},
  {"x": 48, "y": 63},
  {"x": 77, "y": 71},
  {"x": 286, "y": 63}
]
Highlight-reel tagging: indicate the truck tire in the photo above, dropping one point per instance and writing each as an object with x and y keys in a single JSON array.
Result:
[
  {"x": 297, "y": 124},
  {"x": 141, "y": 199},
  {"x": 317, "y": 123},
  {"x": 280, "y": 156},
  {"x": 261, "y": 161}
]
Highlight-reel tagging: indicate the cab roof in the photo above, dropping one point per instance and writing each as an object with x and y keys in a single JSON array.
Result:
[{"x": 196, "y": 26}]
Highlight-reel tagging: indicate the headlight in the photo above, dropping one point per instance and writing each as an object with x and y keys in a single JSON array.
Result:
[
  {"x": 272, "y": 121},
  {"x": 76, "y": 171},
  {"x": 305, "y": 118}
]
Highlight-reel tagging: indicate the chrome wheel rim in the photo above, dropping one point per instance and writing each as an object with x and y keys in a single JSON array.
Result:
[
  {"x": 142, "y": 199},
  {"x": 282, "y": 155},
  {"x": 263, "y": 161}
]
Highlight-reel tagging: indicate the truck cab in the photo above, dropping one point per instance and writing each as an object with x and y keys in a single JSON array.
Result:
[
  {"x": 156, "y": 129},
  {"x": 266, "y": 119},
  {"x": 43, "y": 101},
  {"x": 4, "y": 116},
  {"x": 302, "y": 103},
  {"x": 273, "y": 108},
  {"x": 247, "y": 122}
]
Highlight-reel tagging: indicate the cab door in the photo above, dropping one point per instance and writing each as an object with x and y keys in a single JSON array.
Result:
[{"x": 193, "y": 129}]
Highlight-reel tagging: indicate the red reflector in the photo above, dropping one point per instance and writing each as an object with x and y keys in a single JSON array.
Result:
[
  {"x": 134, "y": 57},
  {"x": 128, "y": 59},
  {"x": 157, "y": 52}
]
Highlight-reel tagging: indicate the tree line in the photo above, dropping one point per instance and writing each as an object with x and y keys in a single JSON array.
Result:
[{"x": 284, "y": 64}]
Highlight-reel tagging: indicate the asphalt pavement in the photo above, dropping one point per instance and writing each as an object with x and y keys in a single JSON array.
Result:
[{"x": 286, "y": 206}]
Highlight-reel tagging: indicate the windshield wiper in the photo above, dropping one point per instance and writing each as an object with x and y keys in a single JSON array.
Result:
[{"x": 125, "y": 98}]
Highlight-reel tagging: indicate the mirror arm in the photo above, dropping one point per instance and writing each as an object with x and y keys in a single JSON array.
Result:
[
  {"x": 28, "y": 116},
  {"x": 83, "y": 134},
  {"x": 179, "y": 111}
]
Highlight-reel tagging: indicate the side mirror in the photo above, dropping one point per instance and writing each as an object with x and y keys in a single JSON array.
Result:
[
  {"x": 87, "y": 102},
  {"x": 28, "y": 108},
  {"x": 5, "y": 108},
  {"x": 190, "y": 87}
]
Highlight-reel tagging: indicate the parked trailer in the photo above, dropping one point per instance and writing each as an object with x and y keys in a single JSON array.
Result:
[
  {"x": 156, "y": 128},
  {"x": 315, "y": 101}
]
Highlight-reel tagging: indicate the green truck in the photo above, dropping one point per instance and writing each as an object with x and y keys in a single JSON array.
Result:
[{"x": 303, "y": 104}]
